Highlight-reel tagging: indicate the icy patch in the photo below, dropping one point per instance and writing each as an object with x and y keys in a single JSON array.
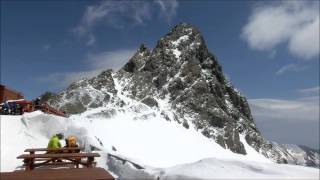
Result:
[
  {"x": 181, "y": 39},
  {"x": 176, "y": 43},
  {"x": 206, "y": 73},
  {"x": 228, "y": 103},
  {"x": 141, "y": 54},
  {"x": 176, "y": 53}
]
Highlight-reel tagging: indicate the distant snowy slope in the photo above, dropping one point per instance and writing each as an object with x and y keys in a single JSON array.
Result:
[
  {"x": 303, "y": 155},
  {"x": 212, "y": 168}
]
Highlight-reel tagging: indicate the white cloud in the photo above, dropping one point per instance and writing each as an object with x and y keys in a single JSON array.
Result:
[
  {"x": 168, "y": 8},
  {"x": 295, "y": 23},
  {"x": 314, "y": 91},
  {"x": 62, "y": 80},
  {"x": 120, "y": 14},
  {"x": 91, "y": 39},
  {"x": 97, "y": 63},
  {"x": 305, "y": 43},
  {"x": 110, "y": 59},
  {"x": 288, "y": 121},
  {"x": 302, "y": 109},
  {"x": 291, "y": 67}
]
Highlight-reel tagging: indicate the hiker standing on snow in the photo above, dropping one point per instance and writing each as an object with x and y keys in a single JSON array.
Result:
[
  {"x": 14, "y": 108},
  {"x": 5, "y": 106},
  {"x": 37, "y": 103}
]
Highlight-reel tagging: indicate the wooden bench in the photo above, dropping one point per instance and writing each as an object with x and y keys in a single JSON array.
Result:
[
  {"x": 85, "y": 159},
  {"x": 59, "y": 150}
]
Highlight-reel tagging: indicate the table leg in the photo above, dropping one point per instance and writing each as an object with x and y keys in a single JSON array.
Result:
[
  {"x": 90, "y": 162},
  {"x": 32, "y": 164},
  {"x": 29, "y": 164}
]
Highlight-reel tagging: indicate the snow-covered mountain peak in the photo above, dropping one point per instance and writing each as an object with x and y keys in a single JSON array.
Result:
[
  {"x": 182, "y": 39},
  {"x": 178, "y": 81}
]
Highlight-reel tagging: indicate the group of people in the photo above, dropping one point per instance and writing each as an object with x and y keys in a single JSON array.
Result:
[
  {"x": 9, "y": 108},
  {"x": 71, "y": 141},
  {"x": 15, "y": 108}
]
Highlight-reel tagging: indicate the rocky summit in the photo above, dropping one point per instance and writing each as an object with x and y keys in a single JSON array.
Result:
[{"x": 183, "y": 80}]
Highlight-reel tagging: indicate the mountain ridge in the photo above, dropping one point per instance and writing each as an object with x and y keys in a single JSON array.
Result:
[{"x": 181, "y": 72}]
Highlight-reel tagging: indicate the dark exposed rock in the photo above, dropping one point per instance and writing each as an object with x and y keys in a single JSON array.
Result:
[
  {"x": 84, "y": 94},
  {"x": 151, "y": 102},
  {"x": 185, "y": 124},
  {"x": 233, "y": 139},
  {"x": 103, "y": 80},
  {"x": 175, "y": 87},
  {"x": 103, "y": 114},
  {"x": 73, "y": 108},
  {"x": 163, "y": 114},
  {"x": 47, "y": 96},
  {"x": 138, "y": 60}
]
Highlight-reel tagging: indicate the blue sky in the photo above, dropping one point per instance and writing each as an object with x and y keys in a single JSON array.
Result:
[{"x": 269, "y": 50}]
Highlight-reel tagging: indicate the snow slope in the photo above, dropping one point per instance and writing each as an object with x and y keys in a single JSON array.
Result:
[
  {"x": 222, "y": 169},
  {"x": 165, "y": 149}
]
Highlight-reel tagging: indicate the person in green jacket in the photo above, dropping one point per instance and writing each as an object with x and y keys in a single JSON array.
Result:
[{"x": 54, "y": 141}]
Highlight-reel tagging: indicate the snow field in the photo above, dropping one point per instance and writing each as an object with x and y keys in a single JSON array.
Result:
[{"x": 166, "y": 149}]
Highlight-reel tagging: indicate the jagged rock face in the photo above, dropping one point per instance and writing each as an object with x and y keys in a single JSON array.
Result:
[
  {"x": 181, "y": 72},
  {"x": 182, "y": 69},
  {"x": 84, "y": 94},
  {"x": 302, "y": 155}
]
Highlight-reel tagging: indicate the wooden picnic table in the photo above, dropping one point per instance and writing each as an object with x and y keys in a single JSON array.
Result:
[
  {"x": 50, "y": 158},
  {"x": 58, "y": 174}
]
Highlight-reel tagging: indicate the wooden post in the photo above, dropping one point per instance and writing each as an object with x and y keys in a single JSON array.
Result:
[
  {"x": 90, "y": 162},
  {"x": 26, "y": 161},
  {"x": 32, "y": 164},
  {"x": 29, "y": 164}
]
